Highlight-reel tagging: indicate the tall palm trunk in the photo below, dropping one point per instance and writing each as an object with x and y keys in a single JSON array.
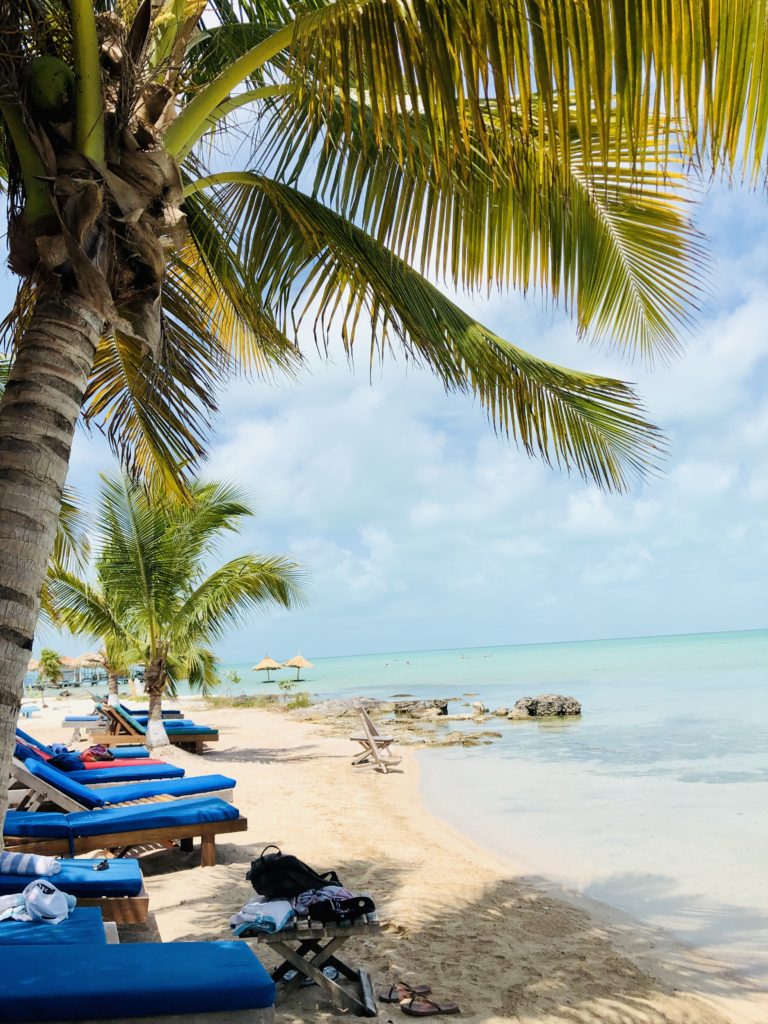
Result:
[
  {"x": 112, "y": 688},
  {"x": 38, "y": 414},
  {"x": 154, "y": 684}
]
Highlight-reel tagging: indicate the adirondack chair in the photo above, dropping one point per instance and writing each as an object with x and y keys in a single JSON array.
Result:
[{"x": 375, "y": 753}]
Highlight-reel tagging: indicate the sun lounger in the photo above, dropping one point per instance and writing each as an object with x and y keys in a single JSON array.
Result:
[
  {"x": 42, "y": 783},
  {"x": 135, "y": 750},
  {"x": 137, "y": 983},
  {"x": 121, "y": 829},
  {"x": 123, "y": 728},
  {"x": 166, "y": 712},
  {"x": 112, "y": 773},
  {"x": 375, "y": 753},
  {"x": 117, "y": 889},
  {"x": 84, "y": 926}
]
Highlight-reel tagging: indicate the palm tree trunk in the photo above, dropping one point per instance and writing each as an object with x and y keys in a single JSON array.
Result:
[
  {"x": 38, "y": 415},
  {"x": 112, "y": 688},
  {"x": 154, "y": 684}
]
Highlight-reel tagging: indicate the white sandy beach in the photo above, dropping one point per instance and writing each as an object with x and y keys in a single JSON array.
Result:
[{"x": 468, "y": 924}]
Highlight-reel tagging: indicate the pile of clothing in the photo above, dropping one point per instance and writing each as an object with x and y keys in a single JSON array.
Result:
[
  {"x": 40, "y": 901},
  {"x": 286, "y": 888}
]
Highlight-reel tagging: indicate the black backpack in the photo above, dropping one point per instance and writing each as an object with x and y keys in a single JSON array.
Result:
[{"x": 281, "y": 875}]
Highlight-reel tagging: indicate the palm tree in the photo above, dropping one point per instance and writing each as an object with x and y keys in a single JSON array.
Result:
[
  {"x": 49, "y": 667},
  {"x": 153, "y": 599},
  {"x": 476, "y": 142}
]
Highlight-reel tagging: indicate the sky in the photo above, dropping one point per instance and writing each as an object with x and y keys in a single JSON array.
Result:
[{"x": 420, "y": 529}]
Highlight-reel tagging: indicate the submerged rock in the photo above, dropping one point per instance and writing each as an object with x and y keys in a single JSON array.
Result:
[{"x": 546, "y": 705}]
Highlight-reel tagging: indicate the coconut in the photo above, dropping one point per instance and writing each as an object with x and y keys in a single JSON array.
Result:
[{"x": 50, "y": 85}]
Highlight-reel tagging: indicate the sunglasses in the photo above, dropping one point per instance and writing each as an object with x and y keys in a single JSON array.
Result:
[{"x": 101, "y": 865}]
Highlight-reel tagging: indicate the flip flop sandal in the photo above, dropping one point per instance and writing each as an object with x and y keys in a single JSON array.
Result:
[
  {"x": 402, "y": 990},
  {"x": 420, "y": 1006}
]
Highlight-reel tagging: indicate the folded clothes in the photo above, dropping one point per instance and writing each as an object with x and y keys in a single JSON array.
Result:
[
  {"x": 262, "y": 915},
  {"x": 28, "y": 864},
  {"x": 305, "y": 900},
  {"x": 40, "y": 901}
]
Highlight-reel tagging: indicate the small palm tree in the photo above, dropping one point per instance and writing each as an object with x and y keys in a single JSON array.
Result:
[
  {"x": 153, "y": 599},
  {"x": 49, "y": 667}
]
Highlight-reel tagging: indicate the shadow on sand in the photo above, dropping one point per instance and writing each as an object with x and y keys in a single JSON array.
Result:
[{"x": 515, "y": 954}]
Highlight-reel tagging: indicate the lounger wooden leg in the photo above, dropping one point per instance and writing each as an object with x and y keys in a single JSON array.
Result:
[{"x": 207, "y": 851}]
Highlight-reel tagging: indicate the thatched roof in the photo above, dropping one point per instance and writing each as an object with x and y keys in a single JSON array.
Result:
[
  {"x": 266, "y": 664},
  {"x": 89, "y": 659},
  {"x": 298, "y": 662}
]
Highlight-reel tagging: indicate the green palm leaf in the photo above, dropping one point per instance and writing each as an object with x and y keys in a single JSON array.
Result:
[{"x": 578, "y": 420}]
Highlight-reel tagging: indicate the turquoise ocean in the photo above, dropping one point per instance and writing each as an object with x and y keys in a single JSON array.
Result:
[{"x": 654, "y": 801}]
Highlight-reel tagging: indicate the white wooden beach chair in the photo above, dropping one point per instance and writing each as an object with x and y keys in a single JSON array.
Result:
[{"x": 375, "y": 753}]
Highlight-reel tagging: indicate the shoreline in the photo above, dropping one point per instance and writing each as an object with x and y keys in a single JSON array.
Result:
[{"x": 507, "y": 948}]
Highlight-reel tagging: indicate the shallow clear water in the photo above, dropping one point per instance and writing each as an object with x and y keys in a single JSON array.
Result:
[{"x": 654, "y": 801}]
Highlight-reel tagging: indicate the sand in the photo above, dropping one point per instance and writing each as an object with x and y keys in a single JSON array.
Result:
[{"x": 505, "y": 948}]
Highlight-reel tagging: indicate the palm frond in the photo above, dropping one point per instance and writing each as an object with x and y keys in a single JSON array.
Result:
[
  {"x": 243, "y": 585},
  {"x": 156, "y": 414},
  {"x": 81, "y": 607},
  {"x": 71, "y": 548},
  {"x": 304, "y": 257},
  {"x": 210, "y": 275},
  {"x": 631, "y": 65},
  {"x": 618, "y": 248}
]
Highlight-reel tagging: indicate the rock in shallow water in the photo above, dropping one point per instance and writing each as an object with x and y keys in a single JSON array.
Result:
[{"x": 546, "y": 705}]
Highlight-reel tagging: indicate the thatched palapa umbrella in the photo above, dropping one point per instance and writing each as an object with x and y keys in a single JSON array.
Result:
[
  {"x": 266, "y": 665},
  {"x": 91, "y": 659},
  {"x": 298, "y": 663}
]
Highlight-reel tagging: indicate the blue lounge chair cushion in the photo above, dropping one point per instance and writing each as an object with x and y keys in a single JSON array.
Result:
[
  {"x": 25, "y": 753},
  {"x": 175, "y": 978},
  {"x": 166, "y": 814},
  {"x": 64, "y": 782},
  {"x": 173, "y": 787},
  {"x": 83, "y": 926},
  {"x": 141, "y": 773},
  {"x": 168, "y": 723},
  {"x": 38, "y": 824},
  {"x": 82, "y": 718},
  {"x": 190, "y": 730},
  {"x": 121, "y": 877},
  {"x": 167, "y": 712}
]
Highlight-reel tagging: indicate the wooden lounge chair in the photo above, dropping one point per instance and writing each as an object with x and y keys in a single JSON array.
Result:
[
  {"x": 375, "y": 753},
  {"x": 170, "y": 823},
  {"x": 115, "y": 886},
  {"x": 39, "y": 783},
  {"x": 123, "y": 728}
]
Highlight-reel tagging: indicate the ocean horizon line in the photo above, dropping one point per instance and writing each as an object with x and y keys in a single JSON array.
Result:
[{"x": 542, "y": 643}]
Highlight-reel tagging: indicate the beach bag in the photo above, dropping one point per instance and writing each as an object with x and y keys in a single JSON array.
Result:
[
  {"x": 340, "y": 910},
  {"x": 98, "y": 752},
  {"x": 281, "y": 875}
]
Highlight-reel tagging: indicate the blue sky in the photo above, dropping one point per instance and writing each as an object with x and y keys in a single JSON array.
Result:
[{"x": 420, "y": 529}]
